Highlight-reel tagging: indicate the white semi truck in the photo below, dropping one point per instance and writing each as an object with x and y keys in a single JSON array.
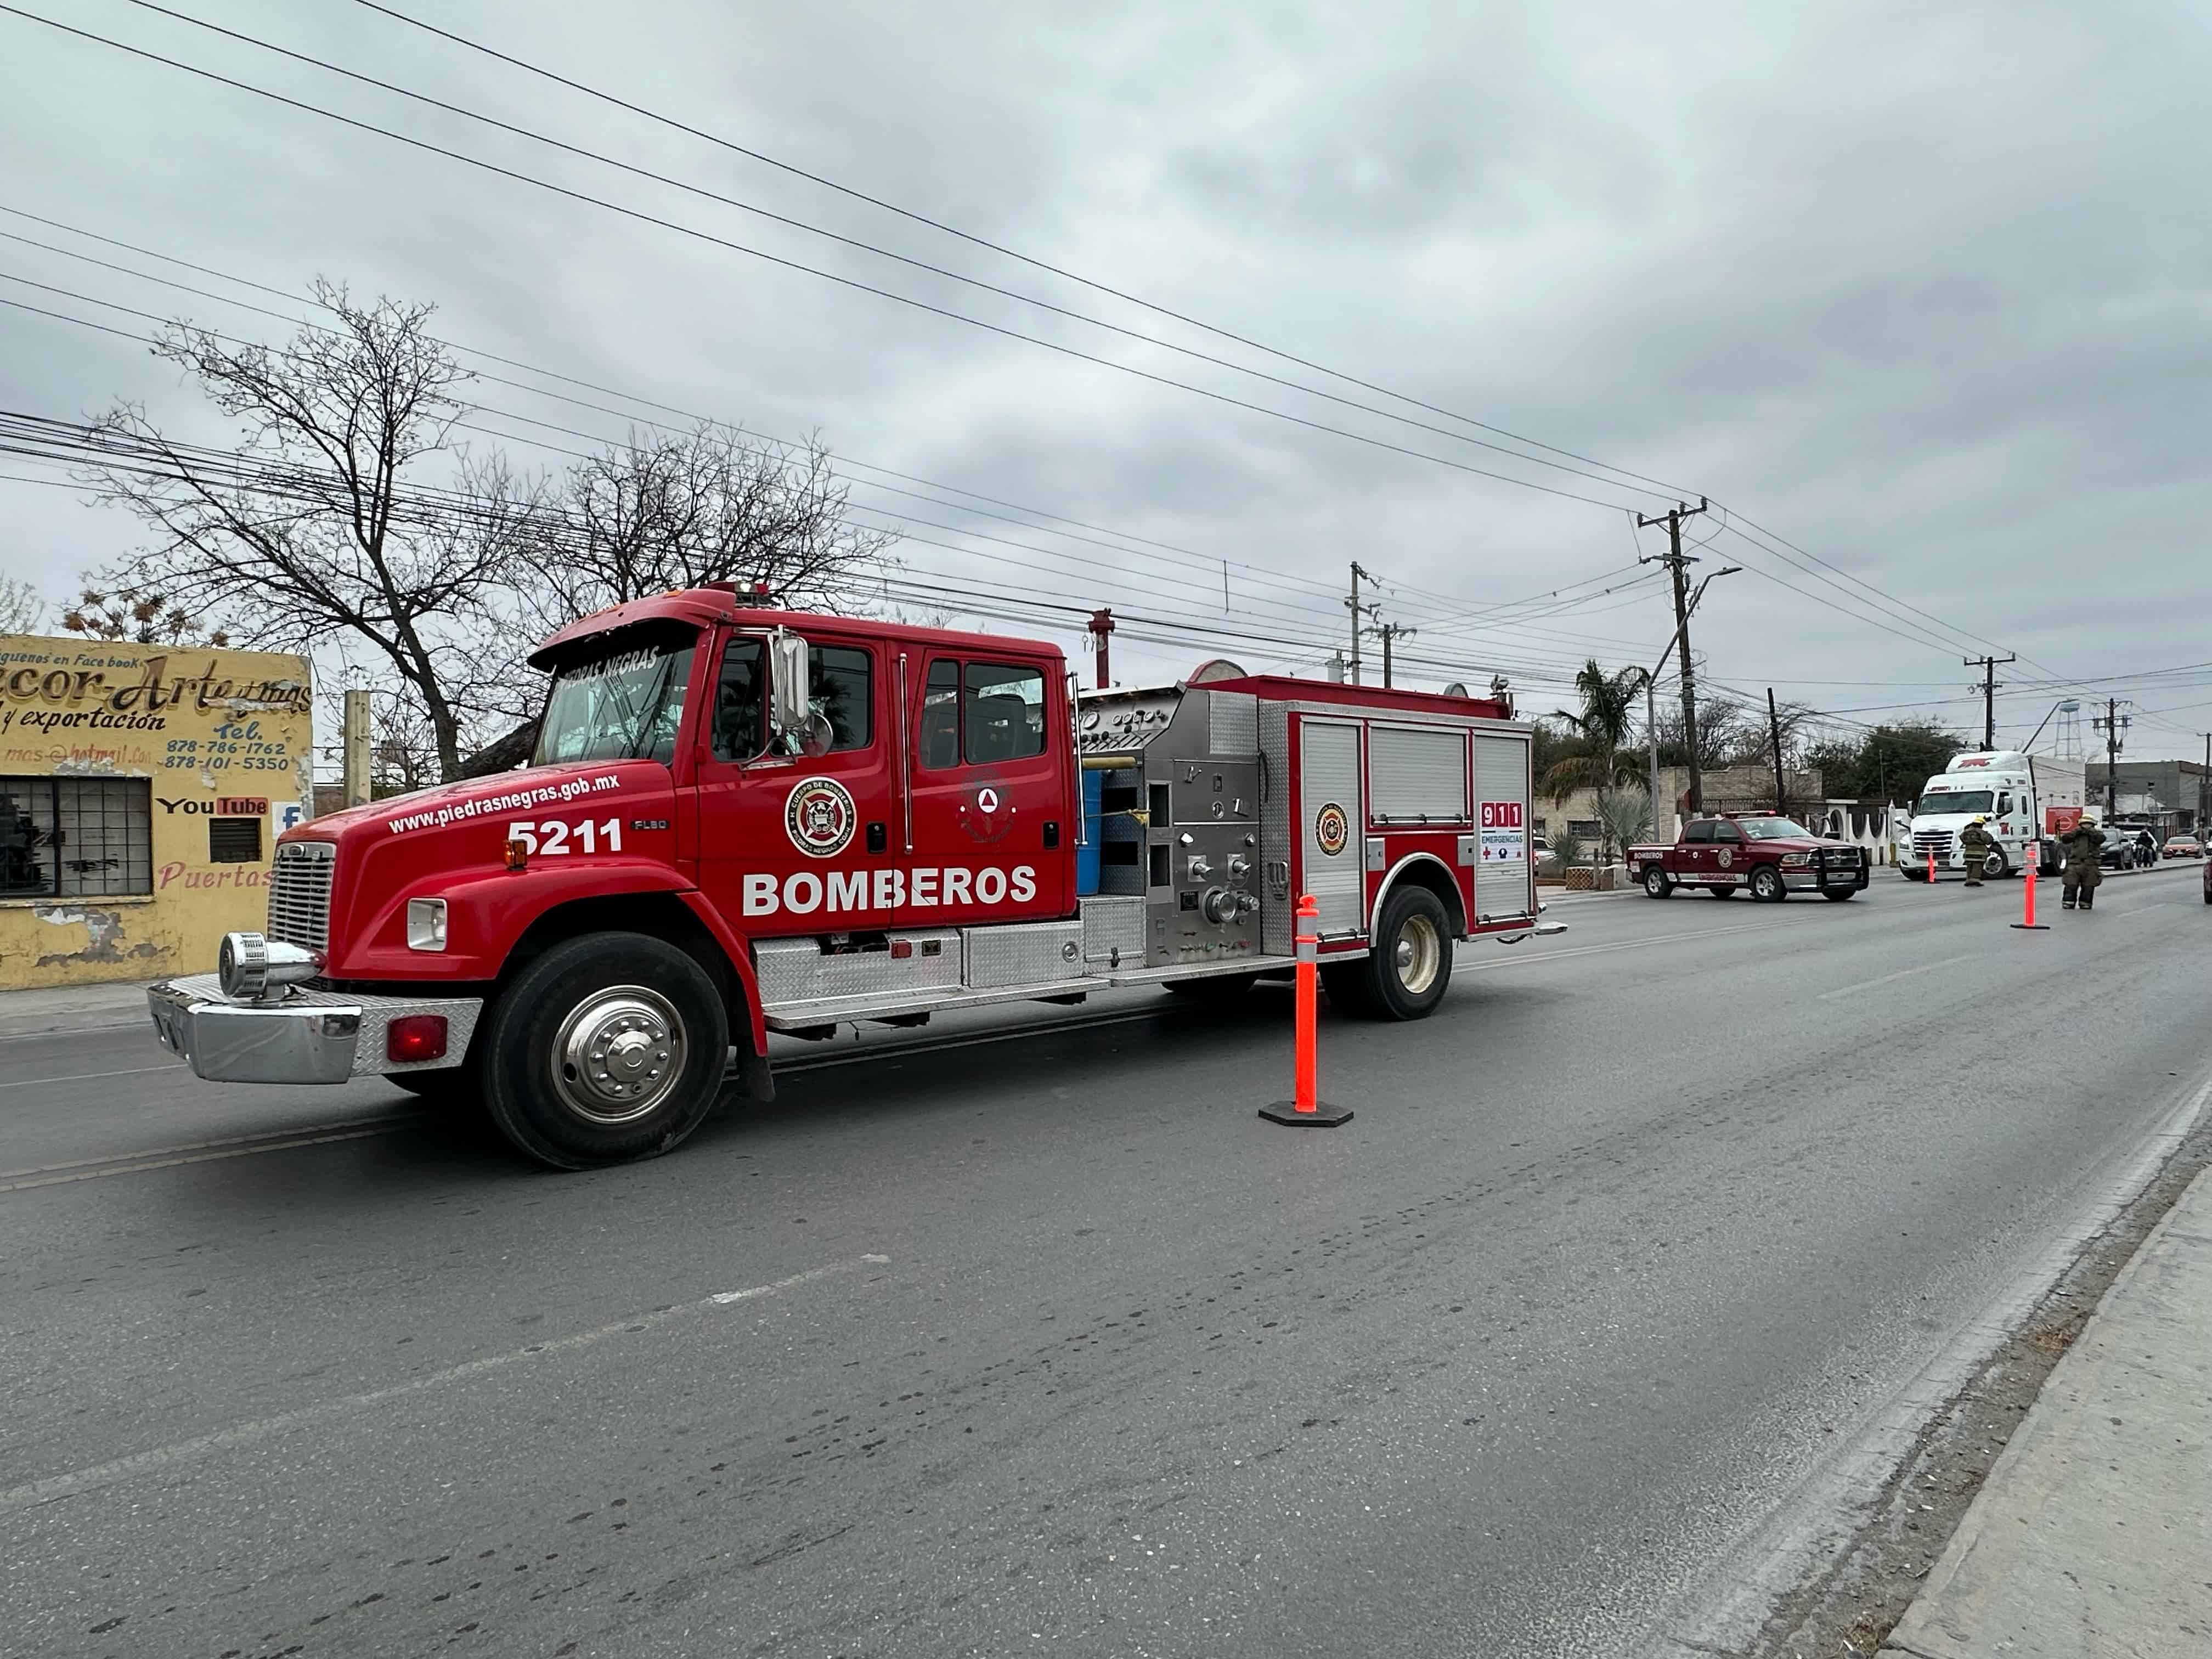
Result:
[{"x": 2028, "y": 802}]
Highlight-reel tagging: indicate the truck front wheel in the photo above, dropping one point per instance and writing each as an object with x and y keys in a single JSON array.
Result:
[
  {"x": 1410, "y": 966},
  {"x": 608, "y": 1048},
  {"x": 1766, "y": 884}
]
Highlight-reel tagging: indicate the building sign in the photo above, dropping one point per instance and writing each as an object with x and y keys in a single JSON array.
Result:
[{"x": 141, "y": 791}]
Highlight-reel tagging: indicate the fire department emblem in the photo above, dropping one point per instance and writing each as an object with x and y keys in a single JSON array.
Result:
[
  {"x": 1725, "y": 857},
  {"x": 818, "y": 815},
  {"x": 1332, "y": 829}
]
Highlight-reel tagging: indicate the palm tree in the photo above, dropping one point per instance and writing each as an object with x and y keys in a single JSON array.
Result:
[{"x": 1601, "y": 728}]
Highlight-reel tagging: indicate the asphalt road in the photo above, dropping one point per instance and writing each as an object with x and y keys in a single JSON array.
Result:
[{"x": 1047, "y": 1344}]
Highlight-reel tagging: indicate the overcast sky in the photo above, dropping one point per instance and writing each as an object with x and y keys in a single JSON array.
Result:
[{"x": 1922, "y": 288}]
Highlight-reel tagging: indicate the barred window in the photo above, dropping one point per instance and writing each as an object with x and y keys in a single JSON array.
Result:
[{"x": 76, "y": 837}]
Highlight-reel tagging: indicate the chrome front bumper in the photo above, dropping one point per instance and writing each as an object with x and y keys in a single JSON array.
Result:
[{"x": 311, "y": 1037}]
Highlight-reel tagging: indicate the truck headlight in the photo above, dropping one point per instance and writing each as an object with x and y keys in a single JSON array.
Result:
[
  {"x": 426, "y": 924},
  {"x": 1797, "y": 860},
  {"x": 248, "y": 967}
]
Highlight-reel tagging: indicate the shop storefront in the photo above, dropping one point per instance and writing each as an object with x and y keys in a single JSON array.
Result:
[{"x": 142, "y": 789}]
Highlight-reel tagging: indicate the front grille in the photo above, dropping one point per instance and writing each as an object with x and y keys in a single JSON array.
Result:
[
  {"x": 1937, "y": 842},
  {"x": 300, "y": 894}
]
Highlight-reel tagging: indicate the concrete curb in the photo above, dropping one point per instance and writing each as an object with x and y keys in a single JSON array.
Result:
[{"x": 2091, "y": 1534}]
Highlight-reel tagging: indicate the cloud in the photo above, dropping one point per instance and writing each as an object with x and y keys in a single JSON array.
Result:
[{"x": 1922, "y": 288}]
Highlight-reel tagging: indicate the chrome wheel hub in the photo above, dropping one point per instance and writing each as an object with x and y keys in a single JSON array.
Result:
[
  {"x": 1419, "y": 954},
  {"x": 618, "y": 1054}
]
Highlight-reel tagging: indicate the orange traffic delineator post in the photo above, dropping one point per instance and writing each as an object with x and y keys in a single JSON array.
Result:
[
  {"x": 1931, "y": 869},
  {"x": 1308, "y": 1110},
  {"x": 2027, "y": 871}
]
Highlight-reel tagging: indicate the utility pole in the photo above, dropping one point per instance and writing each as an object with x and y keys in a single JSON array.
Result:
[
  {"x": 1678, "y": 565},
  {"x": 1358, "y": 611},
  {"x": 2112, "y": 723},
  {"x": 1101, "y": 632},
  {"x": 354, "y": 750},
  {"x": 1774, "y": 728},
  {"x": 1386, "y": 632},
  {"x": 1989, "y": 690},
  {"x": 2202, "y": 779}
]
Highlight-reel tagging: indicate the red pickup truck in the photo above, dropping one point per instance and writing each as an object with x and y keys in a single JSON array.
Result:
[{"x": 1771, "y": 857}]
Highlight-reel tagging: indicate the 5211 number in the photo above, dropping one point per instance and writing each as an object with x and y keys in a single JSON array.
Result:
[{"x": 557, "y": 836}]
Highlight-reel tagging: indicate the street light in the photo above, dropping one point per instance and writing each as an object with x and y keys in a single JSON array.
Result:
[{"x": 1650, "y": 693}]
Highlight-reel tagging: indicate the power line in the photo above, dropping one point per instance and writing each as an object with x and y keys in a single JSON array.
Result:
[
  {"x": 1517, "y": 614},
  {"x": 1659, "y": 485},
  {"x": 801, "y": 266},
  {"x": 706, "y": 193}
]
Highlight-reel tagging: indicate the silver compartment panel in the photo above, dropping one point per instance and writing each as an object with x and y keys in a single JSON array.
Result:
[
  {"x": 1112, "y": 931},
  {"x": 798, "y": 970},
  {"x": 1024, "y": 953}
]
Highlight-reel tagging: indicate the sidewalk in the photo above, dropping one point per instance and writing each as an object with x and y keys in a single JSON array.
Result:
[
  {"x": 72, "y": 1008},
  {"x": 2092, "y": 1538}
]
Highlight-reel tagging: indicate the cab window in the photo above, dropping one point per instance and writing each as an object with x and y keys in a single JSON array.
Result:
[
  {"x": 840, "y": 683},
  {"x": 1728, "y": 833},
  {"x": 1701, "y": 830},
  {"x": 1002, "y": 713},
  {"x": 981, "y": 713},
  {"x": 740, "y": 726},
  {"x": 940, "y": 716}
]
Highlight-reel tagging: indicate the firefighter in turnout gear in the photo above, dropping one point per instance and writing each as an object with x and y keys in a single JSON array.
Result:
[
  {"x": 1974, "y": 844},
  {"x": 2083, "y": 843}
]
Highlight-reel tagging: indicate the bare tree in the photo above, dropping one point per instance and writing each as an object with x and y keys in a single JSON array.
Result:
[
  {"x": 22, "y": 608},
  {"x": 304, "y": 527},
  {"x": 1724, "y": 730},
  {"x": 710, "y": 505},
  {"x": 140, "y": 616}
]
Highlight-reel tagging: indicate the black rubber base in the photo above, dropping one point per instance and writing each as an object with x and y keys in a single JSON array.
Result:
[
  {"x": 1325, "y": 1117},
  {"x": 2031, "y": 927}
]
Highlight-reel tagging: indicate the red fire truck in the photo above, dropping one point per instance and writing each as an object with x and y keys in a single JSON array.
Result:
[{"x": 740, "y": 821}]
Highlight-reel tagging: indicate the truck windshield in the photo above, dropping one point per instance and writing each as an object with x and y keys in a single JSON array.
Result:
[
  {"x": 1961, "y": 800},
  {"x": 623, "y": 706},
  {"x": 1773, "y": 830}
]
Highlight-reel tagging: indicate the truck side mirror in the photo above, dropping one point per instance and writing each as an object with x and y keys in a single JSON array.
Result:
[{"x": 791, "y": 715}]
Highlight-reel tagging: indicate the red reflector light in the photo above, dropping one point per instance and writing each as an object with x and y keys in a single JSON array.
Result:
[
  {"x": 415, "y": 1037},
  {"x": 901, "y": 949}
]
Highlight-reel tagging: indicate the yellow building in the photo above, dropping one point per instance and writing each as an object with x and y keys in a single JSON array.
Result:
[{"x": 142, "y": 790}]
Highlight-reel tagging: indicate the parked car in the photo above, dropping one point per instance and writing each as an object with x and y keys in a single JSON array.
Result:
[
  {"x": 2119, "y": 852},
  {"x": 2208, "y": 881},
  {"x": 1550, "y": 867},
  {"x": 2184, "y": 846}
]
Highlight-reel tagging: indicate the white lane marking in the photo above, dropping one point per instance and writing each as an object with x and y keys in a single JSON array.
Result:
[
  {"x": 86, "y": 1076},
  {"x": 121, "y": 1469},
  {"x": 1623, "y": 944},
  {"x": 1902, "y": 973},
  {"x": 200, "y": 1151},
  {"x": 2156, "y": 904}
]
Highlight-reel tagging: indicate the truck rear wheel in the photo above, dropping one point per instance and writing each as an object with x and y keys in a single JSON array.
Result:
[
  {"x": 1723, "y": 890},
  {"x": 1656, "y": 885},
  {"x": 1409, "y": 967},
  {"x": 608, "y": 1048}
]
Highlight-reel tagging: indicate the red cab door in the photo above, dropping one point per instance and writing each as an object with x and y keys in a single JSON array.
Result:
[
  {"x": 789, "y": 844},
  {"x": 992, "y": 838}
]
